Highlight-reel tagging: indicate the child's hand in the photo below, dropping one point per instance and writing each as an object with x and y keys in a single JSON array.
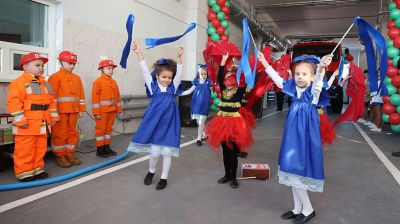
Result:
[
  {"x": 336, "y": 73},
  {"x": 224, "y": 59},
  {"x": 326, "y": 60},
  {"x": 262, "y": 59},
  {"x": 180, "y": 51},
  {"x": 344, "y": 81},
  {"x": 136, "y": 47}
]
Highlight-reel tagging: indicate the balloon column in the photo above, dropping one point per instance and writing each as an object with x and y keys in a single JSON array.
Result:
[
  {"x": 214, "y": 101},
  {"x": 218, "y": 20},
  {"x": 391, "y": 106}
]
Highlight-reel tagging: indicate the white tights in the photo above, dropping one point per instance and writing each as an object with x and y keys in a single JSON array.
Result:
[
  {"x": 166, "y": 164},
  {"x": 302, "y": 203},
  {"x": 201, "y": 123}
]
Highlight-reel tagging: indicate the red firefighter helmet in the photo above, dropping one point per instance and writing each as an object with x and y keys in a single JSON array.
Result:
[
  {"x": 68, "y": 56},
  {"x": 30, "y": 57},
  {"x": 105, "y": 63}
]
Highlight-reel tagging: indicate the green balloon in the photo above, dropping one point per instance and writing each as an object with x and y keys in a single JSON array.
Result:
[
  {"x": 389, "y": 43},
  {"x": 395, "y": 128},
  {"x": 392, "y": 52},
  {"x": 395, "y": 99},
  {"x": 398, "y": 109},
  {"x": 221, "y": 16},
  {"x": 391, "y": 89},
  {"x": 216, "y": 101},
  {"x": 214, "y": 95},
  {"x": 211, "y": 31},
  {"x": 394, "y": 13},
  {"x": 397, "y": 22},
  {"x": 215, "y": 37},
  {"x": 388, "y": 80},
  {"x": 210, "y": 25},
  {"x": 228, "y": 3},
  {"x": 227, "y": 32},
  {"x": 395, "y": 60},
  {"x": 213, "y": 2},
  {"x": 225, "y": 23},
  {"x": 385, "y": 118},
  {"x": 216, "y": 8},
  {"x": 213, "y": 107},
  {"x": 392, "y": 6}
]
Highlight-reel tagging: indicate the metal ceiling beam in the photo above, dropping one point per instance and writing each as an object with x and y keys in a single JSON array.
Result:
[{"x": 313, "y": 3}]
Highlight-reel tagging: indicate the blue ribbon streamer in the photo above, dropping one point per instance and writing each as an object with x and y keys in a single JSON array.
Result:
[
  {"x": 127, "y": 49},
  {"x": 152, "y": 42},
  {"x": 368, "y": 33},
  {"x": 244, "y": 64},
  {"x": 341, "y": 66}
]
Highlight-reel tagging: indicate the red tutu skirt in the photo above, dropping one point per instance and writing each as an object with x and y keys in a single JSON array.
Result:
[
  {"x": 248, "y": 117},
  {"x": 328, "y": 133},
  {"x": 229, "y": 129}
]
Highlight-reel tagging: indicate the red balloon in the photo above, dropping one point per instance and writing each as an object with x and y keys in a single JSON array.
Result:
[
  {"x": 398, "y": 91},
  {"x": 388, "y": 108},
  {"x": 390, "y": 24},
  {"x": 225, "y": 37},
  {"x": 220, "y": 30},
  {"x": 386, "y": 99},
  {"x": 216, "y": 22},
  {"x": 227, "y": 18},
  {"x": 397, "y": 3},
  {"x": 390, "y": 61},
  {"x": 221, "y": 2},
  {"x": 396, "y": 42},
  {"x": 392, "y": 71},
  {"x": 394, "y": 118},
  {"x": 211, "y": 16},
  {"x": 393, "y": 32},
  {"x": 226, "y": 9},
  {"x": 396, "y": 80}
]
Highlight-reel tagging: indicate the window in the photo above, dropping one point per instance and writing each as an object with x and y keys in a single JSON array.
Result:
[{"x": 25, "y": 26}]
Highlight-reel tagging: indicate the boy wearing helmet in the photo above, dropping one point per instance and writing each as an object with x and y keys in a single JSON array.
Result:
[
  {"x": 106, "y": 105},
  {"x": 70, "y": 96},
  {"x": 33, "y": 108}
]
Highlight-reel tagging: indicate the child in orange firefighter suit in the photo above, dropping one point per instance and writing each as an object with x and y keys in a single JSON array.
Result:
[
  {"x": 32, "y": 105},
  {"x": 70, "y": 96},
  {"x": 106, "y": 105}
]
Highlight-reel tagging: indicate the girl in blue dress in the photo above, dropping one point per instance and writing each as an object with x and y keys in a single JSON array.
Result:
[
  {"x": 160, "y": 130},
  {"x": 200, "y": 105},
  {"x": 300, "y": 157}
]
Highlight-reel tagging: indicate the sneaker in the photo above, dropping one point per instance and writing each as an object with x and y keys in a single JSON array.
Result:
[
  {"x": 62, "y": 162},
  {"x": 223, "y": 180},
  {"x": 376, "y": 129},
  {"x": 361, "y": 120},
  {"x": 372, "y": 126},
  {"x": 368, "y": 123},
  {"x": 199, "y": 143},
  {"x": 73, "y": 160},
  {"x": 397, "y": 154}
]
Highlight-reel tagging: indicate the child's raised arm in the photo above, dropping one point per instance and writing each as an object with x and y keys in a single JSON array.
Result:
[
  {"x": 317, "y": 82},
  {"x": 270, "y": 71},
  {"x": 178, "y": 75},
  {"x": 145, "y": 71}
]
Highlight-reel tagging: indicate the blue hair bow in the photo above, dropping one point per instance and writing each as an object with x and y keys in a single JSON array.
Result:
[
  {"x": 202, "y": 66},
  {"x": 313, "y": 59}
]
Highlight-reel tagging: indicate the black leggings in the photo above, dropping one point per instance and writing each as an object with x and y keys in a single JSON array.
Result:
[{"x": 230, "y": 159}]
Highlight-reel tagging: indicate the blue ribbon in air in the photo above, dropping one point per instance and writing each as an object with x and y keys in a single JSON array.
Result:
[
  {"x": 244, "y": 61},
  {"x": 368, "y": 34},
  {"x": 341, "y": 66},
  {"x": 152, "y": 42},
  {"x": 129, "y": 29}
]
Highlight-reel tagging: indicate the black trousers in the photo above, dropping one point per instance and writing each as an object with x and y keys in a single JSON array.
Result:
[
  {"x": 280, "y": 100},
  {"x": 230, "y": 159}
]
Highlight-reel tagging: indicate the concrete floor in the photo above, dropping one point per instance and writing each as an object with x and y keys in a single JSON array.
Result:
[{"x": 358, "y": 187}]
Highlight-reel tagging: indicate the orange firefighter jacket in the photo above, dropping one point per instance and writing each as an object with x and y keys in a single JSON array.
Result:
[
  {"x": 68, "y": 90},
  {"x": 105, "y": 95},
  {"x": 31, "y": 101}
]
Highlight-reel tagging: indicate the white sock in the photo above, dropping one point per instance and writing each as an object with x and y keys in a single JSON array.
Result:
[
  {"x": 297, "y": 203},
  {"x": 153, "y": 162},
  {"x": 166, "y": 166},
  {"x": 305, "y": 201},
  {"x": 201, "y": 122}
]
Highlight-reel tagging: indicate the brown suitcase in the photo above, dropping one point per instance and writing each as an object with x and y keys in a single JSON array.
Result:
[{"x": 254, "y": 170}]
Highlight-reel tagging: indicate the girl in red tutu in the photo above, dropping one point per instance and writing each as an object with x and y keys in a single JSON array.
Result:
[{"x": 229, "y": 129}]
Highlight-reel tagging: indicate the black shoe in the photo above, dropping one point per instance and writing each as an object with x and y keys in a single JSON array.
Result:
[
  {"x": 41, "y": 176},
  {"x": 109, "y": 151},
  {"x": 303, "y": 219},
  {"x": 199, "y": 143},
  {"x": 397, "y": 154},
  {"x": 161, "y": 184},
  {"x": 242, "y": 154},
  {"x": 289, "y": 215},
  {"x": 101, "y": 151},
  {"x": 234, "y": 183},
  {"x": 149, "y": 178},
  {"x": 224, "y": 179},
  {"x": 27, "y": 179}
]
